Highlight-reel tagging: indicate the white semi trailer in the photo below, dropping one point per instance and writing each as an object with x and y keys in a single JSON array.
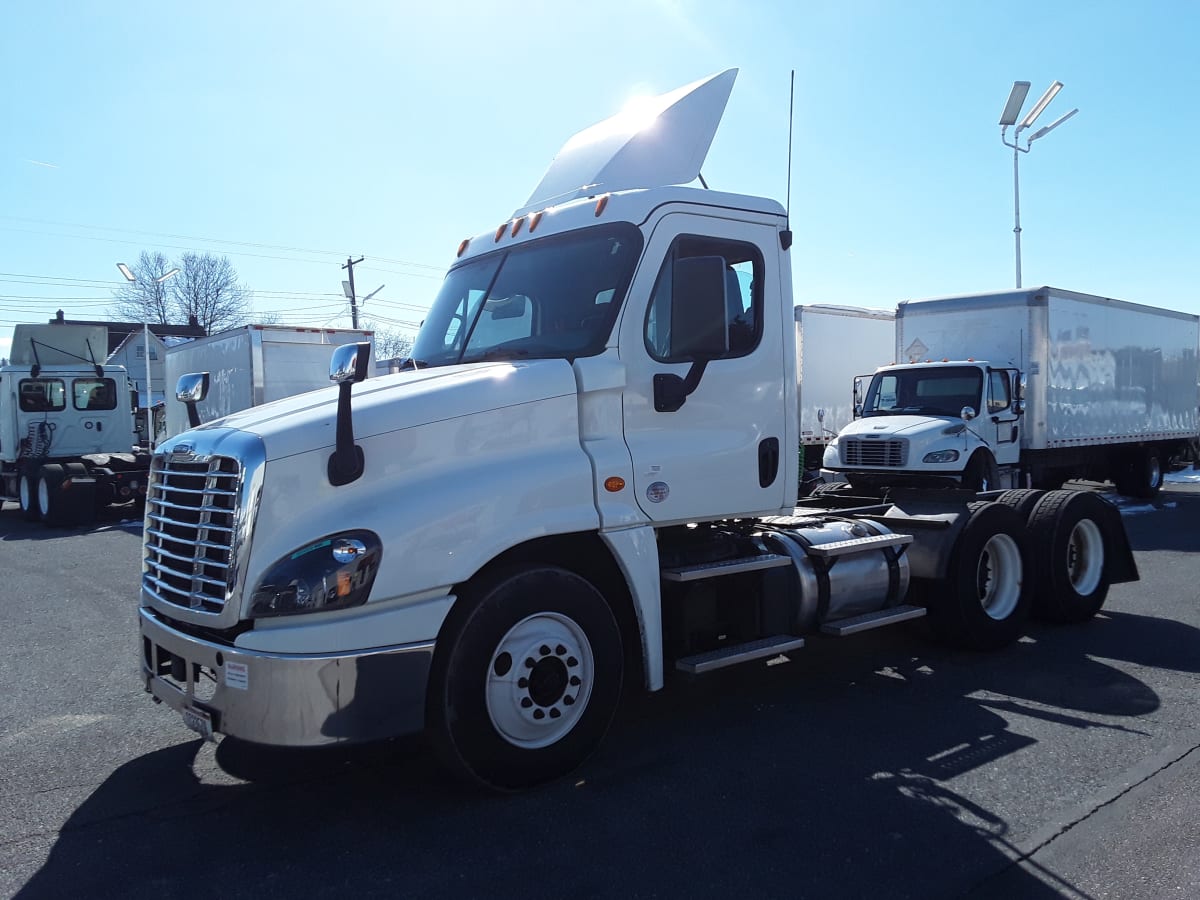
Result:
[
  {"x": 834, "y": 344},
  {"x": 252, "y": 365},
  {"x": 1027, "y": 387},
  {"x": 586, "y": 481}
]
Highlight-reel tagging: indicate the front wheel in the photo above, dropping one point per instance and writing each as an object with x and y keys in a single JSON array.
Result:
[{"x": 526, "y": 677}]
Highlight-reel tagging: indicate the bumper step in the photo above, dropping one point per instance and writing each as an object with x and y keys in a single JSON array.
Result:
[
  {"x": 738, "y": 653},
  {"x": 867, "y": 621}
]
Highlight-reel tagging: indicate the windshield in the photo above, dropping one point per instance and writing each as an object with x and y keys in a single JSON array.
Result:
[
  {"x": 940, "y": 391},
  {"x": 556, "y": 298}
]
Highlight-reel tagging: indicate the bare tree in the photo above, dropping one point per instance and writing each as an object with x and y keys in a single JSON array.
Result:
[
  {"x": 207, "y": 287},
  {"x": 389, "y": 342},
  {"x": 146, "y": 299}
]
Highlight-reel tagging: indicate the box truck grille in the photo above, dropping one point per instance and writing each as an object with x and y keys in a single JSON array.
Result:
[
  {"x": 191, "y": 521},
  {"x": 874, "y": 453}
]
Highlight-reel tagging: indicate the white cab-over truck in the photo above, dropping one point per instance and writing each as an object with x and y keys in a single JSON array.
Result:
[
  {"x": 67, "y": 428},
  {"x": 834, "y": 345},
  {"x": 587, "y": 481},
  {"x": 253, "y": 365},
  {"x": 1027, "y": 387}
]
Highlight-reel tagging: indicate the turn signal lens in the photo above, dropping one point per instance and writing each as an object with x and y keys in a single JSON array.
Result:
[{"x": 614, "y": 483}]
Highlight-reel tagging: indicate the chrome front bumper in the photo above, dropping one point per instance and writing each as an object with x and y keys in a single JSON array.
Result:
[{"x": 302, "y": 700}]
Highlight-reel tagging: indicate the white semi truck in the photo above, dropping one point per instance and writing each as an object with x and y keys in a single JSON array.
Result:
[
  {"x": 1027, "y": 387},
  {"x": 252, "y": 365},
  {"x": 67, "y": 428},
  {"x": 585, "y": 483},
  {"x": 834, "y": 344}
]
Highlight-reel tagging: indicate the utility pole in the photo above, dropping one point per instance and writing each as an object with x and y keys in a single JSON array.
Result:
[{"x": 349, "y": 266}]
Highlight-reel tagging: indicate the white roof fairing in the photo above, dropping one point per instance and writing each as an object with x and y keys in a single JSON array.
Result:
[{"x": 663, "y": 142}]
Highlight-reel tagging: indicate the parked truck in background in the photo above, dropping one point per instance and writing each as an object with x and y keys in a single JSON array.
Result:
[
  {"x": 1032, "y": 386},
  {"x": 67, "y": 428},
  {"x": 834, "y": 344},
  {"x": 586, "y": 481},
  {"x": 252, "y": 365}
]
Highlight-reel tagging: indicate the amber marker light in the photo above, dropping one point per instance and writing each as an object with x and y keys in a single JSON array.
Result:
[
  {"x": 534, "y": 220},
  {"x": 500, "y": 232},
  {"x": 517, "y": 223},
  {"x": 462, "y": 248},
  {"x": 600, "y": 204},
  {"x": 614, "y": 483}
]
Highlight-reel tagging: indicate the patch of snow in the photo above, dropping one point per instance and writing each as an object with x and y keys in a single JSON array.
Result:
[{"x": 1187, "y": 476}]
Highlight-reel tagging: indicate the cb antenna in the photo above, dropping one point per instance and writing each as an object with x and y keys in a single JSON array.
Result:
[{"x": 785, "y": 237}]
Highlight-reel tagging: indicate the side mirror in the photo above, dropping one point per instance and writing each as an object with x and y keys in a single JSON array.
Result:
[
  {"x": 1019, "y": 407},
  {"x": 349, "y": 363},
  {"x": 347, "y": 366},
  {"x": 699, "y": 328},
  {"x": 967, "y": 413},
  {"x": 190, "y": 390}
]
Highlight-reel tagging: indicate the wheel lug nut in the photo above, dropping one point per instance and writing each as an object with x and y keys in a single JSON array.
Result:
[
  {"x": 539, "y": 714},
  {"x": 554, "y": 713},
  {"x": 575, "y": 682},
  {"x": 544, "y": 650},
  {"x": 560, "y": 650},
  {"x": 526, "y": 703}
]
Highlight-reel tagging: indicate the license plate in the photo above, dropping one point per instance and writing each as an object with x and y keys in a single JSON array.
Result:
[{"x": 199, "y": 721}]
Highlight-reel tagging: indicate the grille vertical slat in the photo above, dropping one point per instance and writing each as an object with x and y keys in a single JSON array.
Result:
[
  {"x": 193, "y": 508},
  {"x": 889, "y": 454}
]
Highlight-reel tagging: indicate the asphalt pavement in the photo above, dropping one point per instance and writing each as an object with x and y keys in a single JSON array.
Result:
[{"x": 878, "y": 766}]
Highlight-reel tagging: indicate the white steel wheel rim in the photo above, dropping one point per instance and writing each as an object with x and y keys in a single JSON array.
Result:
[
  {"x": 998, "y": 577},
  {"x": 43, "y": 490},
  {"x": 1155, "y": 472},
  {"x": 539, "y": 680},
  {"x": 1085, "y": 557},
  {"x": 25, "y": 493}
]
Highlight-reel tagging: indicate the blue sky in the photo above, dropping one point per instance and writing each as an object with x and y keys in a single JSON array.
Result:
[{"x": 288, "y": 136}]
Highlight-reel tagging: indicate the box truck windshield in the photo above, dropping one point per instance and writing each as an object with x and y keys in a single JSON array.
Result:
[{"x": 941, "y": 391}]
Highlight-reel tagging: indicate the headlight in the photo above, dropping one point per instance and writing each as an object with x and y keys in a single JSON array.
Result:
[
  {"x": 334, "y": 572},
  {"x": 940, "y": 456}
]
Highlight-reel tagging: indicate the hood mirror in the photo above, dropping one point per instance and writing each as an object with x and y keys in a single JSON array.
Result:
[
  {"x": 967, "y": 413},
  {"x": 190, "y": 390},
  {"x": 347, "y": 367}
]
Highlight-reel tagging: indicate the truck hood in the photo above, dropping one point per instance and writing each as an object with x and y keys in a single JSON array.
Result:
[
  {"x": 395, "y": 402},
  {"x": 892, "y": 426}
]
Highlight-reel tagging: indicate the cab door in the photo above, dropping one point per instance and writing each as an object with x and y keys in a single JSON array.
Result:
[
  {"x": 719, "y": 454},
  {"x": 1003, "y": 421}
]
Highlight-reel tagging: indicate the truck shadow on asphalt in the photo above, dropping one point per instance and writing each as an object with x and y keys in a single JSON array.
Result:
[
  {"x": 871, "y": 772},
  {"x": 13, "y": 526}
]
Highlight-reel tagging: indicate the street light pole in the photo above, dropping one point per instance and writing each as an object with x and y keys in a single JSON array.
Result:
[
  {"x": 129, "y": 276},
  {"x": 1008, "y": 118}
]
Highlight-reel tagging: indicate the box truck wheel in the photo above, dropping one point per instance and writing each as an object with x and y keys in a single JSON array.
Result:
[
  {"x": 526, "y": 677},
  {"x": 985, "y": 598},
  {"x": 1069, "y": 551},
  {"x": 27, "y": 493},
  {"x": 981, "y": 473},
  {"x": 1142, "y": 476}
]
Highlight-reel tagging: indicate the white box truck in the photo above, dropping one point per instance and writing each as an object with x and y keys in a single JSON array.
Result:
[
  {"x": 67, "y": 426},
  {"x": 585, "y": 481},
  {"x": 834, "y": 344},
  {"x": 1030, "y": 386},
  {"x": 253, "y": 365}
]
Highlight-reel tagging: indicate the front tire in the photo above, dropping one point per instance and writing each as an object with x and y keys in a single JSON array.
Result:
[
  {"x": 526, "y": 677},
  {"x": 985, "y": 598},
  {"x": 981, "y": 473}
]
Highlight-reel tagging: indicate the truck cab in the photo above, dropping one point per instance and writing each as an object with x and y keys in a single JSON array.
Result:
[{"x": 946, "y": 423}]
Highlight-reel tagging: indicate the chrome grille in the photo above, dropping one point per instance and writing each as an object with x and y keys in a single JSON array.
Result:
[
  {"x": 191, "y": 523},
  {"x": 892, "y": 454}
]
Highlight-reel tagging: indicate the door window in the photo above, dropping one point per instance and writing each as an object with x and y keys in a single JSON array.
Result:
[
  {"x": 998, "y": 393},
  {"x": 743, "y": 296},
  {"x": 43, "y": 395},
  {"x": 94, "y": 393}
]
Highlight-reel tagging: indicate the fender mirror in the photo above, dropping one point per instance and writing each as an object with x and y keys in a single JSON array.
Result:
[{"x": 967, "y": 413}]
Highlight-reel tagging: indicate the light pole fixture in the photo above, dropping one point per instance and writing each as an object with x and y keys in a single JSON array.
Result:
[
  {"x": 129, "y": 276},
  {"x": 1008, "y": 118}
]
